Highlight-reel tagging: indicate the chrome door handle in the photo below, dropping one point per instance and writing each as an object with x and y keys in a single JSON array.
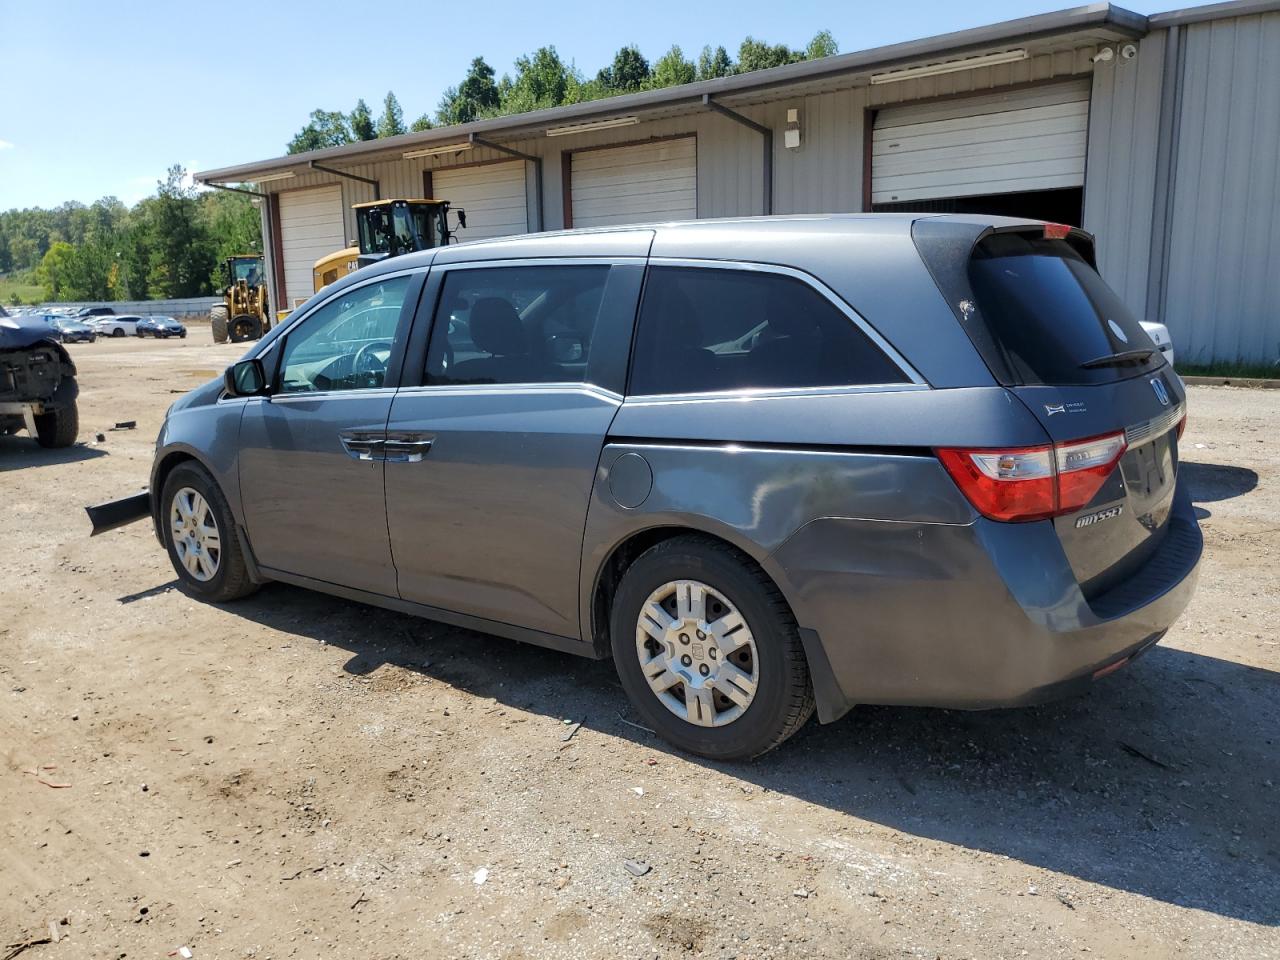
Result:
[
  {"x": 362, "y": 446},
  {"x": 405, "y": 451}
]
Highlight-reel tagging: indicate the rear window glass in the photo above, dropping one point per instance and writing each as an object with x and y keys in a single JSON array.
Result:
[
  {"x": 704, "y": 329},
  {"x": 1050, "y": 315}
]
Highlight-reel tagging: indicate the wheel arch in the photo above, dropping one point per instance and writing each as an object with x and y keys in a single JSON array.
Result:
[{"x": 608, "y": 573}]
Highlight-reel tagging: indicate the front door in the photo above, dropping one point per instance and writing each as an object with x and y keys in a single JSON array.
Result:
[
  {"x": 311, "y": 452},
  {"x": 490, "y": 461}
]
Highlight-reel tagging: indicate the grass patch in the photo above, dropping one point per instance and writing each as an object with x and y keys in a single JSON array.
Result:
[
  {"x": 1236, "y": 371},
  {"x": 24, "y": 286}
]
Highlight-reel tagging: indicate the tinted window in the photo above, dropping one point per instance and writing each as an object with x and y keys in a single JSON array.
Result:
[
  {"x": 714, "y": 329},
  {"x": 1051, "y": 316},
  {"x": 516, "y": 325},
  {"x": 345, "y": 344}
]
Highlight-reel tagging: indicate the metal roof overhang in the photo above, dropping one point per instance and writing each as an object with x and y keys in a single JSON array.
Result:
[{"x": 1099, "y": 21}]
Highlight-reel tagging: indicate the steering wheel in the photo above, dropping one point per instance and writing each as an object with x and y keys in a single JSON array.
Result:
[{"x": 367, "y": 364}]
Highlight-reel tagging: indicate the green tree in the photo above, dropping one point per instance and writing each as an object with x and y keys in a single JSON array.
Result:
[
  {"x": 391, "y": 123},
  {"x": 54, "y": 272},
  {"x": 823, "y": 44},
  {"x": 181, "y": 250},
  {"x": 361, "y": 120},
  {"x": 422, "y": 123},
  {"x": 475, "y": 97},
  {"x": 234, "y": 227},
  {"x": 327, "y": 128},
  {"x": 628, "y": 72},
  {"x": 714, "y": 64},
  {"x": 671, "y": 70},
  {"x": 542, "y": 80},
  {"x": 755, "y": 54}
]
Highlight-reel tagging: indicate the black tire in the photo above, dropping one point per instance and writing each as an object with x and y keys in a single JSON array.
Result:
[
  {"x": 783, "y": 700},
  {"x": 118, "y": 332},
  {"x": 244, "y": 327},
  {"x": 231, "y": 580},
  {"x": 58, "y": 428},
  {"x": 218, "y": 322}
]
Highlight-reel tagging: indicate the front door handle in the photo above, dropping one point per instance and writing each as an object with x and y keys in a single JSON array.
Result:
[
  {"x": 406, "y": 449},
  {"x": 362, "y": 446}
]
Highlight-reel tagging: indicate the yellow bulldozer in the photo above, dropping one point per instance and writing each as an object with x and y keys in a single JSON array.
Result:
[
  {"x": 389, "y": 228},
  {"x": 243, "y": 313}
]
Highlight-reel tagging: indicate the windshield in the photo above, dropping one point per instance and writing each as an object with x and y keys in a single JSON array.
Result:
[
  {"x": 246, "y": 270},
  {"x": 1051, "y": 317}
]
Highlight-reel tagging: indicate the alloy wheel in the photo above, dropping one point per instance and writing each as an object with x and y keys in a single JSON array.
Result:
[{"x": 196, "y": 538}]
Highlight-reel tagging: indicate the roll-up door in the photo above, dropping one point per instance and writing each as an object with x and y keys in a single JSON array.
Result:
[
  {"x": 493, "y": 194},
  {"x": 311, "y": 226},
  {"x": 635, "y": 184},
  {"x": 1014, "y": 142}
]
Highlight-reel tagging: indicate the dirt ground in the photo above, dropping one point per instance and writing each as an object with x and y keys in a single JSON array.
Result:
[{"x": 300, "y": 776}]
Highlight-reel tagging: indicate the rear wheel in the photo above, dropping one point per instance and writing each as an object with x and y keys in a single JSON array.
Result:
[
  {"x": 200, "y": 535},
  {"x": 245, "y": 327},
  {"x": 218, "y": 322},
  {"x": 118, "y": 332},
  {"x": 708, "y": 651}
]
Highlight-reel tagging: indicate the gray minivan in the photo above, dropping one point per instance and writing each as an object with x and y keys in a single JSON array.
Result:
[{"x": 765, "y": 464}]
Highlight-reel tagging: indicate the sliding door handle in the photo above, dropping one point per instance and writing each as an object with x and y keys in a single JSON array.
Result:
[
  {"x": 406, "y": 451},
  {"x": 362, "y": 446}
]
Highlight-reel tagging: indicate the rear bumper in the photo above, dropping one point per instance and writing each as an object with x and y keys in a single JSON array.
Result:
[{"x": 970, "y": 616}]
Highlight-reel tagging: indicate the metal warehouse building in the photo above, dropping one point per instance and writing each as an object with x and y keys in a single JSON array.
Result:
[{"x": 1159, "y": 134}]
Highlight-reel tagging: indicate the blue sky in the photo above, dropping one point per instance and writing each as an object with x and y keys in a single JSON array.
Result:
[{"x": 100, "y": 98}]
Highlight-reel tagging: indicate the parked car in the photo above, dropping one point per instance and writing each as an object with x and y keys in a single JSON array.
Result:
[
  {"x": 942, "y": 470},
  {"x": 38, "y": 387},
  {"x": 1159, "y": 335},
  {"x": 87, "y": 313},
  {"x": 115, "y": 326},
  {"x": 70, "y": 331},
  {"x": 159, "y": 327}
]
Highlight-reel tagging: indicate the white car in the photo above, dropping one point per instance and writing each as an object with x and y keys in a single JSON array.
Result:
[
  {"x": 1159, "y": 333},
  {"x": 116, "y": 326}
]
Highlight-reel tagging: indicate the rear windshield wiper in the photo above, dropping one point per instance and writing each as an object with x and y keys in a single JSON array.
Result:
[{"x": 1116, "y": 359}]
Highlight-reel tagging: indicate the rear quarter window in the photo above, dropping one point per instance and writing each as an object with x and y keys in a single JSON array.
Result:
[{"x": 705, "y": 329}]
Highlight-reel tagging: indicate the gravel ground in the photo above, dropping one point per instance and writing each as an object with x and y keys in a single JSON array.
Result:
[{"x": 300, "y": 776}]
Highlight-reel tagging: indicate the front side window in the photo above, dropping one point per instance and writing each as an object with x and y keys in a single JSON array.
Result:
[
  {"x": 712, "y": 329},
  {"x": 532, "y": 324},
  {"x": 347, "y": 343}
]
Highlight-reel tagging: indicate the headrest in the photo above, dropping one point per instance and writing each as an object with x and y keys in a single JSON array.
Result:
[{"x": 496, "y": 328}]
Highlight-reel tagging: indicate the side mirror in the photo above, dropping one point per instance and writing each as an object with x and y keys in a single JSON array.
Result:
[
  {"x": 462, "y": 218},
  {"x": 245, "y": 378}
]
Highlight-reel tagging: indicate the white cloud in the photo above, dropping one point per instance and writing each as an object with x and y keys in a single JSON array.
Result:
[{"x": 5, "y": 145}]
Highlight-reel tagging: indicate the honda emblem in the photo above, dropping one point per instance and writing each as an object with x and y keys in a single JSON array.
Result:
[{"x": 1162, "y": 392}]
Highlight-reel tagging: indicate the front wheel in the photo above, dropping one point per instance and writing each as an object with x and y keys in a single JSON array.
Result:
[
  {"x": 58, "y": 428},
  {"x": 118, "y": 332},
  {"x": 200, "y": 535},
  {"x": 245, "y": 327},
  {"x": 708, "y": 650}
]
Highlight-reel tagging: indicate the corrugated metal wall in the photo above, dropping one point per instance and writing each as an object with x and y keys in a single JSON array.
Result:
[
  {"x": 1222, "y": 280},
  {"x": 1119, "y": 190}
]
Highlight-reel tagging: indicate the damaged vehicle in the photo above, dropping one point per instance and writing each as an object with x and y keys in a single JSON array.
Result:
[{"x": 37, "y": 383}]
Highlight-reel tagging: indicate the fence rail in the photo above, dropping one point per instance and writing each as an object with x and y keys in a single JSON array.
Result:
[{"x": 187, "y": 308}]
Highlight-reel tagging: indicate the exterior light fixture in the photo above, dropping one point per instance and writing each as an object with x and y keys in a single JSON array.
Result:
[
  {"x": 949, "y": 66},
  {"x": 572, "y": 128}
]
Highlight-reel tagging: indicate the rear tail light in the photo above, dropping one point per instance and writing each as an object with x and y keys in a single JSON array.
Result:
[
  {"x": 1057, "y": 231},
  {"x": 1033, "y": 483},
  {"x": 1182, "y": 425}
]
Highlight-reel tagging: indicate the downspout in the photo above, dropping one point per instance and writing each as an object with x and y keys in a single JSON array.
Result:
[
  {"x": 377, "y": 187},
  {"x": 765, "y": 132},
  {"x": 1166, "y": 161},
  {"x": 477, "y": 141}
]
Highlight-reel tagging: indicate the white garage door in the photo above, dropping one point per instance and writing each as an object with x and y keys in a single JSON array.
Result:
[
  {"x": 310, "y": 227},
  {"x": 493, "y": 196},
  {"x": 638, "y": 184},
  {"x": 1032, "y": 139}
]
